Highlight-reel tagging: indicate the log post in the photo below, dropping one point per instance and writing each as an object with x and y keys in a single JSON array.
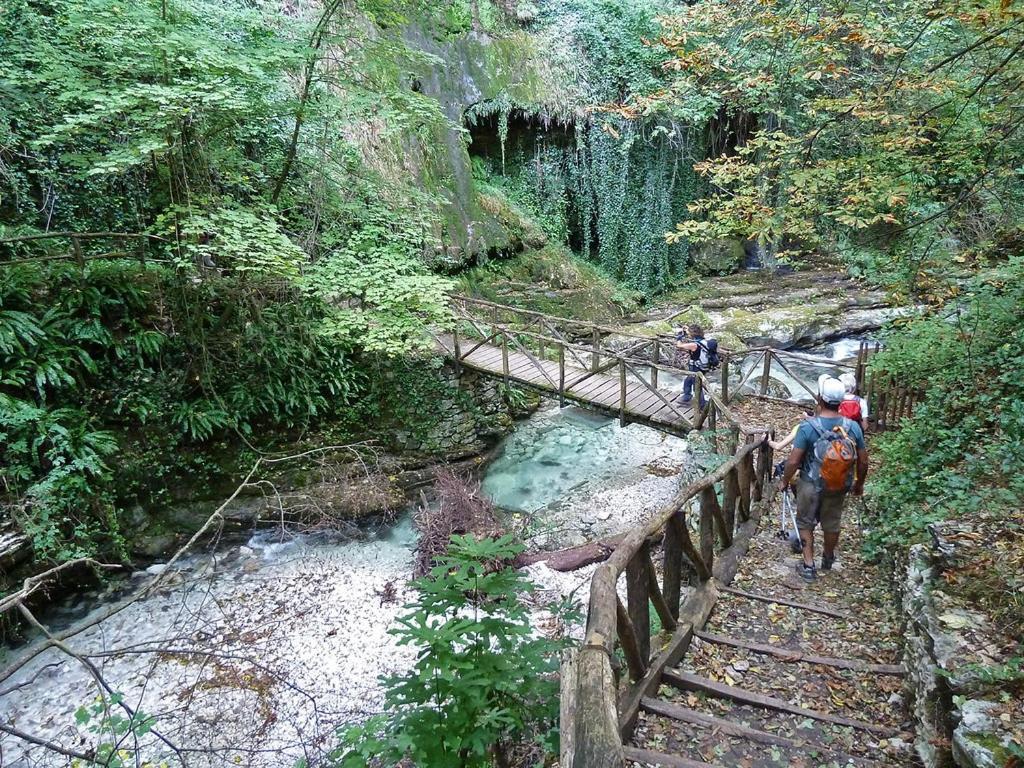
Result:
[
  {"x": 638, "y": 600},
  {"x": 766, "y": 372},
  {"x": 458, "y": 349},
  {"x": 730, "y": 495},
  {"x": 622, "y": 392},
  {"x": 878, "y": 408},
  {"x": 596, "y": 741},
  {"x": 561, "y": 375},
  {"x": 657, "y": 360},
  {"x": 668, "y": 619},
  {"x": 707, "y": 534},
  {"x": 725, "y": 379},
  {"x": 745, "y": 475},
  {"x": 763, "y": 474},
  {"x": 595, "y": 360},
  {"x": 629, "y": 639},
  {"x": 709, "y": 499},
  {"x": 872, "y": 420},
  {"x": 504, "y": 356},
  {"x": 672, "y": 564}
]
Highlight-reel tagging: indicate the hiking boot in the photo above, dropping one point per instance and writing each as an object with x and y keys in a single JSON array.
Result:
[
  {"x": 827, "y": 561},
  {"x": 683, "y": 399},
  {"x": 806, "y": 572}
]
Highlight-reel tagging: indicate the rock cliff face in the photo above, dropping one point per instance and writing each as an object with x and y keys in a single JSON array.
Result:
[
  {"x": 460, "y": 73},
  {"x": 957, "y": 717},
  {"x": 787, "y": 309}
]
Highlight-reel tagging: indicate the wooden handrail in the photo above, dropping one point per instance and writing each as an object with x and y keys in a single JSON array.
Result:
[
  {"x": 595, "y": 720},
  {"x": 82, "y": 236}
]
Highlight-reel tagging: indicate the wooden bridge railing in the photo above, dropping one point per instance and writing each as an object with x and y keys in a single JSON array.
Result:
[
  {"x": 600, "y": 700},
  {"x": 645, "y": 359}
]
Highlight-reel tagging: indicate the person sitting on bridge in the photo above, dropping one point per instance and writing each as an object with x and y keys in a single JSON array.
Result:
[
  {"x": 829, "y": 449},
  {"x": 693, "y": 342}
]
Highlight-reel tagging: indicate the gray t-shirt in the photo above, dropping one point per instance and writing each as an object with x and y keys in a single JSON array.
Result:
[{"x": 807, "y": 436}]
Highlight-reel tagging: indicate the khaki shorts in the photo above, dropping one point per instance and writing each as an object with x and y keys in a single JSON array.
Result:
[{"x": 809, "y": 512}]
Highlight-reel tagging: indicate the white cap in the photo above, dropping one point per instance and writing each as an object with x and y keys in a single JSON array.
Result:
[
  {"x": 849, "y": 381},
  {"x": 831, "y": 391}
]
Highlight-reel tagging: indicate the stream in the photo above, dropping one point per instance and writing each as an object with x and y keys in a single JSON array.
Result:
[
  {"x": 253, "y": 654},
  {"x": 813, "y": 361}
]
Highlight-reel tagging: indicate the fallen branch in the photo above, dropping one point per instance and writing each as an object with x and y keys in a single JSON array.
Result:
[
  {"x": 573, "y": 558},
  {"x": 33, "y": 583}
]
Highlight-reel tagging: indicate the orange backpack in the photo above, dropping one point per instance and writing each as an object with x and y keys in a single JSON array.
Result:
[{"x": 833, "y": 457}]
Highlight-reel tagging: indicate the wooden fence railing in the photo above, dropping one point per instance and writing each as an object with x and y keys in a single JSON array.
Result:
[
  {"x": 565, "y": 362},
  {"x": 600, "y": 699},
  {"x": 78, "y": 252}
]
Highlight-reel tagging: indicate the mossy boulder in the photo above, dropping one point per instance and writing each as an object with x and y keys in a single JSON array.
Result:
[{"x": 718, "y": 256}]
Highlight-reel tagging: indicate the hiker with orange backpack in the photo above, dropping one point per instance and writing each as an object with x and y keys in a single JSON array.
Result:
[{"x": 830, "y": 453}]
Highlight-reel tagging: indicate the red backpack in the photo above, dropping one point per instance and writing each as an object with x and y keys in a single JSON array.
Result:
[{"x": 850, "y": 408}]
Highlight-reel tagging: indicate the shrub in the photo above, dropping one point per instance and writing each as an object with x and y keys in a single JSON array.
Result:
[{"x": 483, "y": 680}]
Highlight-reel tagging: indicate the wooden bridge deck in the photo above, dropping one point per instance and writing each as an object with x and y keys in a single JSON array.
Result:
[{"x": 602, "y": 391}]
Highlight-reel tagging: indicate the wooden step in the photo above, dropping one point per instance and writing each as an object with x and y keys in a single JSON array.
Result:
[
  {"x": 728, "y": 727},
  {"x": 669, "y": 761},
  {"x": 788, "y": 655},
  {"x": 689, "y": 682},
  {"x": 791, "y": 603}
]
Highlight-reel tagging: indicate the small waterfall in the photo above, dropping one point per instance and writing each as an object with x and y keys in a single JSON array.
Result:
[{"x": 753, "y": 255}]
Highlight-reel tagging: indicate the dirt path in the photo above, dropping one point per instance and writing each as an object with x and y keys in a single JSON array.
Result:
[{"x": 869, "y": 632}]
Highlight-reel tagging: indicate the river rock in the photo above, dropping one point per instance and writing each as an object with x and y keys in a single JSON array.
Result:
[
  {"x": 804, "y": 325},
  {"x": 976, "y": 736}
]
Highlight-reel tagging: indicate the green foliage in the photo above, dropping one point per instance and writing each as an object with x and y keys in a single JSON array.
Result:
[
  {"x": 483, "y": 679},
  {"x": 115, "y": 730},
  {"x": 608, "y": 186},
  {"x": 89, "y": 356},
  {"x": 620, "y": 42},
  {"x": 612, "y": 190},
  {"x": 961, "y": 456},
  {"x": 1010, "y": 672},
  {"x": 887, "y": 132},
  {"x": 382, "y": 293},
  {"x": 285, "y": 266}
]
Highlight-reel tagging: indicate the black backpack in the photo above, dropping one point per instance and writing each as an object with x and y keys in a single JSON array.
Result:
[{"x": 711, "y": 347}]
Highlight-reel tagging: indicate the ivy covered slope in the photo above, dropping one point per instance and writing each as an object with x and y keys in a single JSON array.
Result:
[{"x": 306, "y": 182}]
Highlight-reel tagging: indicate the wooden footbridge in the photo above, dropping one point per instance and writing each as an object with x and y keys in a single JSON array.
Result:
[
  {"x": 633, "y": 377},
  {"x": 636, "y": 378}
]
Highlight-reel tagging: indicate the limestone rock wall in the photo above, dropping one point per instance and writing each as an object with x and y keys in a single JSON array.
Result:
[{"x": 957, "y": 718}]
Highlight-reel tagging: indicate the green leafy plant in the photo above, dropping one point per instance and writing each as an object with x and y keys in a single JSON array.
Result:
[
  {"x": 483, "y": 680},
  {"x": 116, "y": 732}
]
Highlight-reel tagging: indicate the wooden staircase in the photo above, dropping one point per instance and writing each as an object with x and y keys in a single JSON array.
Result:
[{"x": 750, "y": 666}]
